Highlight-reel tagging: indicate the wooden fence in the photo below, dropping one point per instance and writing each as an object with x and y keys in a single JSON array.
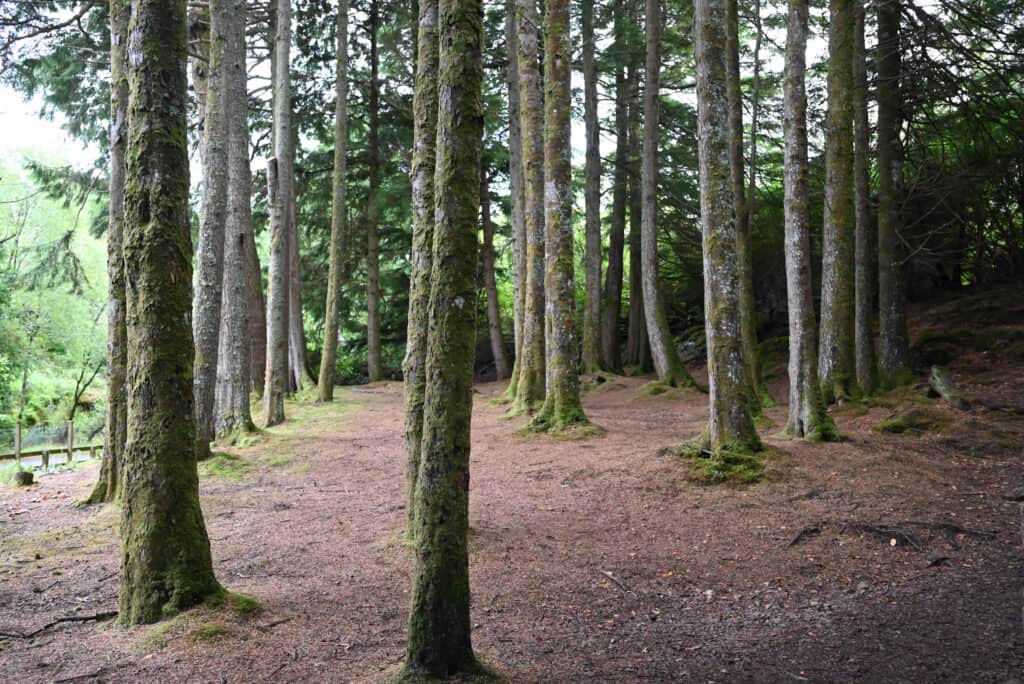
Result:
[{"x": 67, "y": 451}]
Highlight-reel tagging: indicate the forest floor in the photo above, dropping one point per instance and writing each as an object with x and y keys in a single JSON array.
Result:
[{"x": 883, "y": 558}]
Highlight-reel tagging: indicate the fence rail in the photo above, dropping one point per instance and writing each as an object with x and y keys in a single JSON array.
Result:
[{"x": 67, "y": 451}]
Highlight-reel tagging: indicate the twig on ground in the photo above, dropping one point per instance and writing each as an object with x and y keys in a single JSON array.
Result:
[
  {"x": 87, "y": 675},
  {"x": 105, "y": 615},
  {"x": 613, "y": 578},
  {"x": 805, "y": 534}
]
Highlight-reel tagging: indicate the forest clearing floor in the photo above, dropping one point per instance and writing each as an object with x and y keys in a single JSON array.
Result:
[{"x": 883, "y": 558}]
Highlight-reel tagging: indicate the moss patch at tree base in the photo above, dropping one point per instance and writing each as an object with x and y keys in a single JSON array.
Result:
[
  {"x": 224, "y": 464},
  {"x": 731, "y": 464},
  {"x": 479, "y": 672},
  {"x": 914, "y": 420},
  {"x": 658, "y": 388}
]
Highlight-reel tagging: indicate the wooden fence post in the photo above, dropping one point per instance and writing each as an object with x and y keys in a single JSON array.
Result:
[
  {"x": 71, "y": 442},
  {"x": 17, "y": 444},
  {"x": 46, "y": 460}
]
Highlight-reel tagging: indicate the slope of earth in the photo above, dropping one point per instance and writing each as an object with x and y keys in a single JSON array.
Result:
[{"x": 884, "y": 558}]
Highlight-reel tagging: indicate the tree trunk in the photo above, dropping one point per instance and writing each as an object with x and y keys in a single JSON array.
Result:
[
  {"x": 755, "y": 111},
  {"x": 297, "y": 366},
  {"x": 592, "y": 200},
  {"x": 865, "y": 265},
  {"x": 374, "y": 369},
  {"x": 836, "y": 362},
  {"x": 424, "y": 159},
  {"x": 667, "y": 363},
  {"x": 611, "y": 357},
  {"x": 439, "y": 618},
  {"x": 107, "y": 488},
  {"x": 807, "y": 417},
  {"x": 279, "y": 195},
  {"x": 562, "y": 408},
  {"x": 638, "y": 349},
  {"x": 233, "y": 412},
  {"x": 517, "y": 192},
  {"x": 501, "y": 365},
  {"x": 531, "y": 382},
  {"x": 731, "y": 426},
  {"x": 165, "y": 557},
  {"x": 338, "y": 212},
  {"x": 748, "y": 306},
  {"x": 257, "y": 318},
  {"x": 894, "y": 344},
  {"x": 210, "y": 255}
]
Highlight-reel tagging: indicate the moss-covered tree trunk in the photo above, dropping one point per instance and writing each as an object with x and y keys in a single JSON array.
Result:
[
  {"x": 667, "y": 363},
  {"x": 562, "y": 408},
  {"x": 755, "y": 114},
  {"x": 807, "y": 417},
  {"x": 517, "y": 193},
  {"x": 611, "y": 355},
  {"x": 233, "y": 414},
  {"x": 329, "y": 357},
  {"x": 744, "y": 247},
  {"x": 424, "y": 160},
  {"x": 115, "y": 432},
  {"x": 731, "y": 425},
  {"x": 865, "y": 261},
  {"x": 530, "y": 386},
  {"x": 279, "y": 194},
  {"x": 374, "y": 369},
  {"x": 894, "y": 344},
  {"x": 592, "y": 199},
  {"x": 836, "y": 362},
  {"x": 210, "y": 253},
  {"x": 165, "y": 553},
  {"x": 439, "y": 619},
  {"x": 501, "y": 365}
]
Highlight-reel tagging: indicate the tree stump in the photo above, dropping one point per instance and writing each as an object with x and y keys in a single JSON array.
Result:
[{"x": 23, "y": 478}]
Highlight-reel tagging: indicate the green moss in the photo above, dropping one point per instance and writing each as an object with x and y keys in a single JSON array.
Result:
[
  {"x": 209, "y": 632},
  {"x": 479, "y": 673},
  {"x": 736, "y": 465},
  {"x": 916, "y": 420},
  {"x": 763, "y": 422},
  {"x": 276, "y": 460},
  {"x": 226, "y": 465}
]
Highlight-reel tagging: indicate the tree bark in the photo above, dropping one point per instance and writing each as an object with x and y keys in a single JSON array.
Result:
[
  {"x": 279, "y": 195},
  {"x": 108, "y": 485},
  {"x": 297, "y": 366},
  {"x": 257, "y": 318},
  {"x": 748, "y": 306},
  {"x": 233, "y": 415},
  {"x": 562, "y": 408},
  {"x": 731, "y": 426},
  {"x": 667, "y": 363},
  {"x": 210, "y": 255},
  {"x": 501, "y": 365},
  {"x": 531, "y": 382},
  {"x": 165, "y": 552},
  {"x": 638, "y": 349},
  {"x": 611, "y": 357},
  {"x": 807, "y": 417},
  {"x": 755, "y": 111},
  {"x": 894, "y": 344},
  {"x": 836, "y": 362},
  {"x": 865, "y": 266},
  {"x": 338, "y": 210},
  {"x": 374, "y": 369},
  {"x": 424, "y": 159},
  {"x": 439, "y": 619},
  {"x": 592, "y": 200},
  {"x": 517, "y": 193}
]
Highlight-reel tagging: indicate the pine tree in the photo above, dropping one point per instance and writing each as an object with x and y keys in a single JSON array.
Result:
[
  {"x": 338, "y": 217},
  {"x": 807, "y": 417},
  {"x": 375, "y": 370},
  {"x": 165, "y": 558},
  {"x": 439, "y": 619},
  {"x": 592, "y": 199}
]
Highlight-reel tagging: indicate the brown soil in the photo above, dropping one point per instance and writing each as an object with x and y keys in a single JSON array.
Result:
[{"x": 882, "y": 558}]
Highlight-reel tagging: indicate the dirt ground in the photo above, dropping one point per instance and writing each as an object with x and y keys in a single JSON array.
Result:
[{"x": 884, "y": 558}]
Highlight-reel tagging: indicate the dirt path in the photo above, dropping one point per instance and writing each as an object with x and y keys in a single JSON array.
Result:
[{"x": 592, "y": 561}]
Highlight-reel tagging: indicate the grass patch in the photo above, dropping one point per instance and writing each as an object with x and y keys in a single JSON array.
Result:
[
  {"x": 915, "y": 420},
  {"x": 226, "y": 465},
  {"x": 276, "y": 460},
  {"x": 763, "y": 422}
]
